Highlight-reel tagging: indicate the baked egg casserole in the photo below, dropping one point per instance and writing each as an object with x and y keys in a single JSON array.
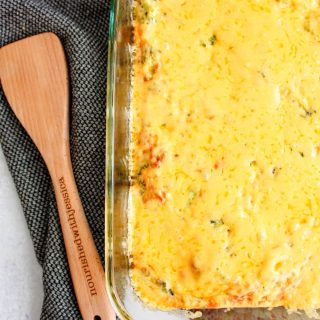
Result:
[{"x": 225, "y": 154}]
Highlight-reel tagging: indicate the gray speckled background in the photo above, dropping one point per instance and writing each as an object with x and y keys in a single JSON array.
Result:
[{"x": 21, "y": 292}]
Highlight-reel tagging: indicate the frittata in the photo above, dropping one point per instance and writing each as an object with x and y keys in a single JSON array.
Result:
[{"x": 225, "y": 153}]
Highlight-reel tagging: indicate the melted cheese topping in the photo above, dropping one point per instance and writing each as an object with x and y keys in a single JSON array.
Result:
[{"x": 224, "y": 203}]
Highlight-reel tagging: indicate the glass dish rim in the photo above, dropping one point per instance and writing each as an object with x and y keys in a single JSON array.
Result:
[{"x": 120, "y": 311}]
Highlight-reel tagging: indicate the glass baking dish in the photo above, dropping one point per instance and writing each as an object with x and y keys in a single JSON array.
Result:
[{"x": 126, "y": 303}]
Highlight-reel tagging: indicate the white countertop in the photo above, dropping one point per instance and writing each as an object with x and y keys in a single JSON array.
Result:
[{"x": 21, "y": 290}]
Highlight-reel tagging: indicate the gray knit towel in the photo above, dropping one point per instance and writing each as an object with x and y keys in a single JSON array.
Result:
[{"x": 82, "y": 26}]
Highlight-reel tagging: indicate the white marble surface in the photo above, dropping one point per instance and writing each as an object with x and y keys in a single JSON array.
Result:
[{"x": 21, "y": 290}]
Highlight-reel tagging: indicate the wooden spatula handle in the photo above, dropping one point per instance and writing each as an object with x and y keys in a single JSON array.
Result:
[{"x": 85, "y": 265}]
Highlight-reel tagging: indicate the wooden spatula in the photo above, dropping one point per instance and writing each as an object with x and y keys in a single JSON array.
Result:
[{"x": 34, "y": 77}]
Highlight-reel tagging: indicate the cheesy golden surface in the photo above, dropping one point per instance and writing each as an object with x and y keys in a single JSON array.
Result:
[{"x": 225, "y": 153}]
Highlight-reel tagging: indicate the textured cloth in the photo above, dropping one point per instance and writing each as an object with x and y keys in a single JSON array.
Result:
[{"x": 82, "y": 26}]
